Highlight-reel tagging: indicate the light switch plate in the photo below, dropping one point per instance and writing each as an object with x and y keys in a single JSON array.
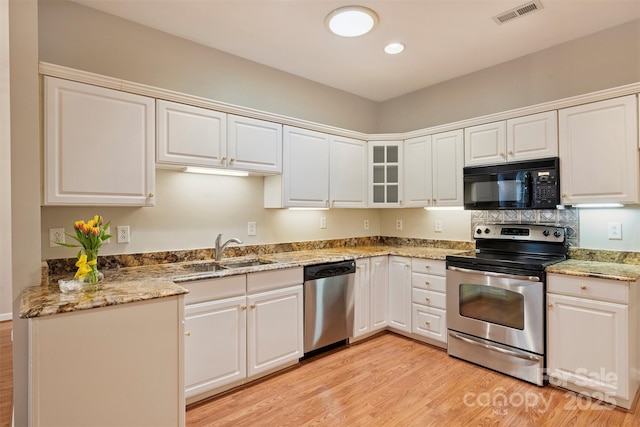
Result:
[
  {"x": 437, "y": 226},
  {"x": 323, "y": 222}
]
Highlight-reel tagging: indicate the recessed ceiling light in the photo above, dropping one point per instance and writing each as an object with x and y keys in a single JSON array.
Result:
[
  {"x": 351, "y": 21},
  {"x": 393, "y": 48}
]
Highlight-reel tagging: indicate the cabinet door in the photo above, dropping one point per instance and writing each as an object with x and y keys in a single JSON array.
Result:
[
  {"x": 214, "y": 346},
  {"x": 385, "y": 174},
  {"x": 275, "y": 329},
  {"x": 599, "y": 152},
  {"x": 348, "y": 173},
  {"x": 362, "y": 324},
  {"x": 588, "y": 344},
  {"x": 305, "y": 168},
  {"x": 400, "y": 293},
  {"x": 447, "y": 149},
  {"x": 99, "y": 146},
  {"x": 255, "y": 145},
  {"x": 485, "y": 144},
  {"x": 533, "y": 137},
  {"x": 379, "y": 296},
  {"x": 418, "y": 172},
  {"x": 189, "y": 135}
]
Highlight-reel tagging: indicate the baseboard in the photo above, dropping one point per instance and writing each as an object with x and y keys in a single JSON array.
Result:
[{"x": 5, "y": 316}]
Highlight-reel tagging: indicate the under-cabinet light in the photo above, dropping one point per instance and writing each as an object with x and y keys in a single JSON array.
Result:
[
  {"x": 598, "y": 205},
  {"x": 212, "y": 171},
  {"x": 308, "y": 209},
  {"x": 444, "y": 208}
]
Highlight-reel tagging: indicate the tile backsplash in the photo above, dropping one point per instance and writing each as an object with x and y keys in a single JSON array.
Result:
[{"x": 567, "y": 218}]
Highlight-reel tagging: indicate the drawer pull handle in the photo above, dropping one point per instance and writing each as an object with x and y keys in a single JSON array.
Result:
[
  {"x": 583, "y": 287},
  {"x": 188, "y": 333}
]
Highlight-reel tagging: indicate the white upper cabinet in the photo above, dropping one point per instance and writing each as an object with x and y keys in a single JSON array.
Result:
[
  {"x": 190, "y": 136},
  {"x": 255, "y": 145},
  {"x": 385, "y": 174},
  {"x": 485, "y": 144},
  {"x": 348, "y": 172},
  {"x": 433, "y": 170},
  {"x": 532, "y": 137},
  {"x": 524, "y": 138},
  {"x": 599, "y": 152},
  {"x": 319, "y": 171},
  {"x": 305, "y": 171},
  {"x": 99, "y": 146},
  {"x": 195, "y": 136}
]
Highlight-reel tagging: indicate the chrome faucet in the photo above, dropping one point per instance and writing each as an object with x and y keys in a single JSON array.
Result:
[{"x": 220, "y": 248}]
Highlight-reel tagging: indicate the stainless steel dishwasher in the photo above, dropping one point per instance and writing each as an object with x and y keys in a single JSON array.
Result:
[{"x": 328, "y": 304}]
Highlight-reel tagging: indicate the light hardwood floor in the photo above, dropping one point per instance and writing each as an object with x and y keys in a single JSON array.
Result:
[{"x": 386, "y": 381}]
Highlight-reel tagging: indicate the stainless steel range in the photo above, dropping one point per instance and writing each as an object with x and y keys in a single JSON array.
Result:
[{"x": 496, "y": 298}]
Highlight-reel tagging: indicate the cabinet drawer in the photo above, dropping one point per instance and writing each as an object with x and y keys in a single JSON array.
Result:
[
  {"x": 589, "y": 287},
  {"x": 430, "y": 266},
  {"x": 274, "y": 279},
  {"x": 428, "y": 281},
  {"x": 429, "y": 322},
  {"x": 429, "y": 298},
  {"x": 212, "y": 289}
]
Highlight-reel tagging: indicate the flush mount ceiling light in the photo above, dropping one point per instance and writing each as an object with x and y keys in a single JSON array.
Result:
[
  {"x": 351, "y": 21},
  {"x": 394, "y": 48}
]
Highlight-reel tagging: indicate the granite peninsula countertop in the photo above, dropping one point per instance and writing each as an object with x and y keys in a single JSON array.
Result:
[{"x": 132, "y": 284}]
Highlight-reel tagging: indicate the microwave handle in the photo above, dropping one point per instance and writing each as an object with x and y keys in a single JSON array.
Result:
[{"x": 528, "y": 193}]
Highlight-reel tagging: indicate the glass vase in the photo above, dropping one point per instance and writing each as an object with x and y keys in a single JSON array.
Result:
[{"x": 93, "y": 276}]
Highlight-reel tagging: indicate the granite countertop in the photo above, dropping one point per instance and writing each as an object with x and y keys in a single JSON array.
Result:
[
  {"x": 131, "y": 284},
  {"x": 602, "y": 270}
]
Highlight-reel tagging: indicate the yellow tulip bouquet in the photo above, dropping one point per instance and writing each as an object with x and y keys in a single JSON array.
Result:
[{"x": 90, "y": 236}]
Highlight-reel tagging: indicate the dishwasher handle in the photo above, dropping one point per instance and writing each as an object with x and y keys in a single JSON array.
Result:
[{"x": 321, "y": 271}]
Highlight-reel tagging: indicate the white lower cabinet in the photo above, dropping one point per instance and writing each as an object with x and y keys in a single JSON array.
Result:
[
  {"x": 591, "y": 333},
  {"x": 371, "y": 295},
  {"x": 400, "y": 293},
  {"x": 428, "y": 297},
  {"x": 232, "y": 337}
]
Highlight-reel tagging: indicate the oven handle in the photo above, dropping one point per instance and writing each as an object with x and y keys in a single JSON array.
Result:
[
  {"x": 492, "y": 274},
  {"x": 496, "y": 349}
]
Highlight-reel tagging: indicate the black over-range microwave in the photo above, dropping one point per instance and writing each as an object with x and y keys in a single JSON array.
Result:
[{"x": 531, "y": 184}]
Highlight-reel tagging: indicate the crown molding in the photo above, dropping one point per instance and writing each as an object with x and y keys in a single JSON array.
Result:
[{"x": 60, "y": 71}]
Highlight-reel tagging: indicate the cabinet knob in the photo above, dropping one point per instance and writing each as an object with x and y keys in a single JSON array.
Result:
[
  {"x": 427, "y": 323},
  {"x": 426, "y": 266},
  {"x": 550, "y": 305},
  {"x": 427, "y": 283},
  {"x": 150, "y": 195},
  {"x": 510, "y": 153},
  {"x": 231, "y": 160},
  {"x": 188, "y": 333},
  {"x": 407, "y": 266},
  {"x": 502, "y": 155},
  {"x": 564, "y": 195},
  {"x": 253, "y": 306},
  {"x": 223, "y": 159},
  {"x": 244, "y": 307},
  {"x": 426, "y": 299},
  {"x": 583, "y": 287}
]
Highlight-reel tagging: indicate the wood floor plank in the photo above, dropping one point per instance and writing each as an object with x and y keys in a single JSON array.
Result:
[{"x": 393, "y": 381}]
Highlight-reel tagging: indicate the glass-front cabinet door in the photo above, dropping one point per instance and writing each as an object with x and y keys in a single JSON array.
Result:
[{"x": 385, "y": 174}]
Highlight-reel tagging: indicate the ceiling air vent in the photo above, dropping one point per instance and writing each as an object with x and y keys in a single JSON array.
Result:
[{"x": 517, "y": 12}]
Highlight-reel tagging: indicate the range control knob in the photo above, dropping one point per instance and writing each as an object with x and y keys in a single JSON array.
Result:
[
  {"x": 557, "y": 233},
  {"x": 487, "y": 231},
  {"x": 478, "y": 231},
  {"x": 546, "y": 232}
]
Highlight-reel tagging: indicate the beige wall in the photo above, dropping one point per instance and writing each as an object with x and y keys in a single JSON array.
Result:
[
  {"x": 79, "y": 37},
  {"x": 5, "y": 167},
  {"x": 25, "y": 181},
  {"x": 603, "y": 60}
]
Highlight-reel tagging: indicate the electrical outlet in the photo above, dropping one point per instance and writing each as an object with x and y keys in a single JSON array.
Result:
[
  {"x": 614, "y": 230},
  {"x": 56, "y": 235},
  {"x": 366, "y": 224},
  {"x": 123, "y": 234},
  {"x": 398, "y": 224},
  {"x": 437, "y": 226},
  {"x": 323, "y": 222},
  {"x": 251, "y": 228}
]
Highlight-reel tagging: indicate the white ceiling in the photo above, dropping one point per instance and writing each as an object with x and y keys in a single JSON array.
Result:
[{"x": 444, "y": 38}]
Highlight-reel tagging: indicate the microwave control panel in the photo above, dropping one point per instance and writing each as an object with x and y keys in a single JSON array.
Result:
[{"x": 545, "y": 189}]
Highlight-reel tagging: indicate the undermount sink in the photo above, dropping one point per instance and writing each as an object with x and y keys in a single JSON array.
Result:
[
  {"x": 199, "y": 268},
  {"x": 249, "y": 263}
]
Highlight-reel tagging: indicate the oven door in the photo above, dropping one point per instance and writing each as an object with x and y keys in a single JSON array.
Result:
[{"x": 503, "y": 308}]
